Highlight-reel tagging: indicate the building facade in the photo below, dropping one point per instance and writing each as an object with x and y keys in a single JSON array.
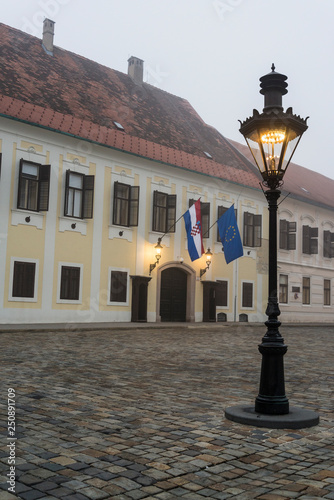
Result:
[{"x": 97, "y": 167}]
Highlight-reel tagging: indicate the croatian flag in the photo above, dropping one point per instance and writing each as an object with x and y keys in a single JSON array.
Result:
[{"x": 193, "y": 223}]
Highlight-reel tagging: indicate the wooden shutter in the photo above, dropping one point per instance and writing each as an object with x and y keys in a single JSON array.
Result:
[
  {"x": 24, "y": 279},
  {"x": 67, "y": 184},
  {"x": 306, "y": 240},
  {"x": 314, "y": 240},
  {"x": 205, "y": 214},
  {"x": 171, "y": 213},
  {"x": 221, "y": 211},
  {"x": 43, "y": 188},
  {"x": 327, "y": 244},
  {"x": 283, "y": 234},
  {"x": 20, "y": 185},
  {"x": 257, "y": 230},
  {"x": 292, "y": 228},
  {"x": 247, "y": 295},
  {"x": 221, "y": 293},
  {"x": 88, "y": 197},
  {"x": 134, "y": 206},
  {"x": 118, "y": 286}
]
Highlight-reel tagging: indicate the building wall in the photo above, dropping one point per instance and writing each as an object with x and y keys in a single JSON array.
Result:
[
  {"x": 296, "y": 264},
  {"x": 96, "y": 246}
]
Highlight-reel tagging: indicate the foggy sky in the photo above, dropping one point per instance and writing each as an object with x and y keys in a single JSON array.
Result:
[{"x": 210, "y": 52}]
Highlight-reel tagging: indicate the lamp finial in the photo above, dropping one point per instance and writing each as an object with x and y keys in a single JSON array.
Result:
[{"x": 273, "y": 67}]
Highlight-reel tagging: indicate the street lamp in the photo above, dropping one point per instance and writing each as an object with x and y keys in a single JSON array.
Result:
[
  {"x": 158, "y": 248},
  {"x": 208, "y": 255},
  {"x": 272, "y": 137}
]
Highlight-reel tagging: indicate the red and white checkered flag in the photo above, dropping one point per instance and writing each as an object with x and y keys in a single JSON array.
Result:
[{"x": 196, "y": 229}]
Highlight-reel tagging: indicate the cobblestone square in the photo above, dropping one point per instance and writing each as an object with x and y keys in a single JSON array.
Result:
[{"x": 136, "y": 412}]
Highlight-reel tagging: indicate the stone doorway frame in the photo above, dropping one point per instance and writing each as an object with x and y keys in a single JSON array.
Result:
[{"x": 191, "y": 287}]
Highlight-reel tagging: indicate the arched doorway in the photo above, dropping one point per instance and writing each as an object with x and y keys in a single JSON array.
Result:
[
  {"x": 173, "y": 295},
  {"x": 176, "y": 285}
]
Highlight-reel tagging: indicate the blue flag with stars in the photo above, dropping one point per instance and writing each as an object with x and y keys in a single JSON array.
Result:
[{"x": 230, "y": 236}]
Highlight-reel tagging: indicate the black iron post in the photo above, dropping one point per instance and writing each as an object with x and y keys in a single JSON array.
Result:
[
  {"x": 272, "y": 399},
  {"x": 272, "y": 137}
]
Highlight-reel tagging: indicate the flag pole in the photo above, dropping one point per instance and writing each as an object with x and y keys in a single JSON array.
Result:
[{"x": 159, "y": 239}]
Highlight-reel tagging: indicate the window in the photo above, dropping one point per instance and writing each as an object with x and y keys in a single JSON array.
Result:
[
  {"x": 126, "y": 205},
  {"x": 70, "y": 283},
  {"x": 34, "y": 184},
  {"x": 328, "y": 244},
  {"x": 221, "y": 293},
  {"x": 221, "y": 211},
  {"x": 287, "y": 235},
  {"x": 310, "y": 240},
  {"x": 79, "y": 195},
  {"x": 283, "y": 289},
  {"x": 327, "y": 292},
  {"x": 247, "y": 294},
  {"x": 24, "y": 279},
  {"x": 306, "y": 290},
  {"x": 118, "y": 286},
  {"x": 205, "y": 215},
  {"x": 164, "y": 212},
  {"x": 252, "y": 230}
]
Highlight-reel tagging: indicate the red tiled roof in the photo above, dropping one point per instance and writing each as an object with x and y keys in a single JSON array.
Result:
[{"x": 73, "y": 95}]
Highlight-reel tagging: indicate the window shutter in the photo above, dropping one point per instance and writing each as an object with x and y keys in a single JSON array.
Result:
[
  {"x": 306, "y": 240},
  {"x": 292, "y": 228},
  {"x": 205, "y": 214},
  {"x": 118, "y": 286},
  {"x": 67, "y": 183},
  {"x": 314, "y": 240},
  {"x": 247, "y": 295},
  {"x": 134, "y": 206},
  {"x": 171, "y": 213},
  {"x": 154, "y": 220},
  {"x": 20, "y": 185},
  {"x": 327, "y": 244},
  {"x": 283, "y": 230},
  {"x": 43, "y": 188},
  {"x": 247, "y": 222},
  {"x": 88, "y": 197},
  {"x": 332, "y": 245},
  {"x": 221, "y": 211},
  {"x": 221, "y": 294},
  {"x": 24, "y": 279},
  {"x": 257, "y": 230}
]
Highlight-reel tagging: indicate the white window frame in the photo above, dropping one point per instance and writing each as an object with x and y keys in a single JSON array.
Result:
[{"x": 11, "y": 277}]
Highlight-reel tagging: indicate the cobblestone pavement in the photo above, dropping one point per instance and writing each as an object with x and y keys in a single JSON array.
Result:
[{"x": 139, "y": 413}]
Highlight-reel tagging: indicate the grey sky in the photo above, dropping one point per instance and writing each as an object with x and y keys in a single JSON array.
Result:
[{"x": 211, "y": 52}]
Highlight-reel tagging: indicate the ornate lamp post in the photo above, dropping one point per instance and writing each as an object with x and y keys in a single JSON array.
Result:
[{"x": 272, "y": 137}]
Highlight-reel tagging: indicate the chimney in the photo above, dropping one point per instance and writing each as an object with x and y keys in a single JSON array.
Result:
[
  {"x": 48, "y": 33},
  {"x": 136, "y": 69}
]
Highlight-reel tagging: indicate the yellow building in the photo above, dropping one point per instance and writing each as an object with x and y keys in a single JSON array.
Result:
[{"x": 96, "y": 166}]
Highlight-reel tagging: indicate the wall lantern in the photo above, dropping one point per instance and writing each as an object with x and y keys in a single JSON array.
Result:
[
  {"x": 208, "y": 255},
  {"x": 272, "y": 137},
  {"x": 158, "y": 249}
]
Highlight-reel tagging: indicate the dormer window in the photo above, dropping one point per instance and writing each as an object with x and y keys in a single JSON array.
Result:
[
  {"x": 119, "y": 126},
  {"x": 208, "y": 155}
]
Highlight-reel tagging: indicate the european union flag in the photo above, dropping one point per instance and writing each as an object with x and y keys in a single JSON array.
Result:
[{"x": 230, "y": 236}]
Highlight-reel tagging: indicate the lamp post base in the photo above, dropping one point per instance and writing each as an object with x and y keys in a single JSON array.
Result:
[{"x": 297, "y": 418}]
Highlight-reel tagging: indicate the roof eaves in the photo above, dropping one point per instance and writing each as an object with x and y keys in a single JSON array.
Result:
[{"x": 136, "y": 154}]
